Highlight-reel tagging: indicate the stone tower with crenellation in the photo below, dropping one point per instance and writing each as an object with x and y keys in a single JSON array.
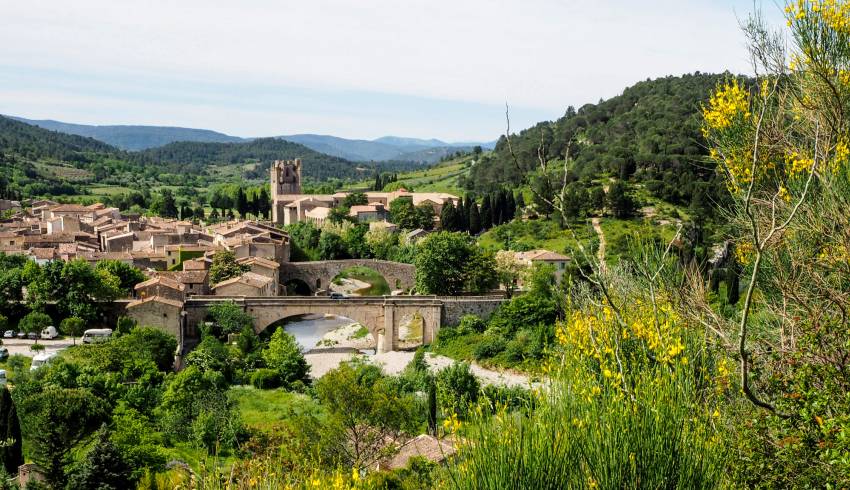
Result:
[{"x": 286, "y": 181}]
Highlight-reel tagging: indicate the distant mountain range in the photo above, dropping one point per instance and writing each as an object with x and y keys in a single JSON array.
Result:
[{"x": 387, "y": 148}]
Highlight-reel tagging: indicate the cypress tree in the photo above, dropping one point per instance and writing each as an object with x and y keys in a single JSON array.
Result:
[
  {"x": 474, "y": 219},
  {"x": 499, "y": 209},
  {"x": 241, "y": 202},
  {"x": 264, "y": 202},
  {"x": 432, "y": 406},
  {"x": 732, "y": 284},
  {"x": 10, "y": 430},
  {"x": 447, "y": 217},
  {"x": 486, "y": 213},
  {"x": 462, "y": 215},
  {"x": 510, "y": 206}
]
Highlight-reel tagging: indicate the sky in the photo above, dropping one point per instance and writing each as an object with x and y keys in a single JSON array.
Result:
[{"x": 355, "y": 69}]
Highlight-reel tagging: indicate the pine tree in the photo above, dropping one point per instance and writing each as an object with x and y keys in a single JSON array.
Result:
[
  {"x": 10, "y": 430},
  {"x": 104, "y": 467}
]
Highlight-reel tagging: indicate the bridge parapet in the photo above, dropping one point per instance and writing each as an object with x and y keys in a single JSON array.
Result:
[{"x": 388, "y": 318}]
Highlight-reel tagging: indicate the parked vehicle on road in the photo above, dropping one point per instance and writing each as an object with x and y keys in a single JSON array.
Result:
[
  {"x": 49, "y": 333},
  {"x": 9, "y": 334},
  {"x": 336, "y": 295},
  {"x": 96, "y": 335},
  {"x": 41, "y": 360},
  {"x": 22, "y": 335},
  {"x": 32, "y": 336},
  {"x": 2, "y": 377},
  {"x": 4, "y": 354}
]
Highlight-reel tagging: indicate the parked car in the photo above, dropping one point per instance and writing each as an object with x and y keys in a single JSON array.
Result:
[
  {"x": 22, "y": 335},
  {"x": 4, "y": 354},
  {"x": 49, "y": 333},
  {"x": 9, "y": 334},
  {"x": 32, "y": 336},
  {"x": 41, "y": 360},
  {"x": 96, "y": 335},
  {"x": 336, "y": 295},
  {"x": 2, "y": 377}
]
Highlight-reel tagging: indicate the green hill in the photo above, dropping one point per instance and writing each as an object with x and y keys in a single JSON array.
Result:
[
  {"x": 39, "y": 162},
  {"x": 648, "y": 134}
]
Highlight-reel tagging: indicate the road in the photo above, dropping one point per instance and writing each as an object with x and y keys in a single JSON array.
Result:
[{"x": 22, "y": 346}]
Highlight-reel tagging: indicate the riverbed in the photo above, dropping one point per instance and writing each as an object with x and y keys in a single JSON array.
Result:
[{"x": 328, "y": 341}]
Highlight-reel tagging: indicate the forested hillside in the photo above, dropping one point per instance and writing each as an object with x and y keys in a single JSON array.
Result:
[
  {"x": 39, "y": 162},
  {"x": 34, "y": 143},
  {"x": 317, "y": 166},
  {"x": 650, "y": 134},
  {"x": 128, "y": 137}
]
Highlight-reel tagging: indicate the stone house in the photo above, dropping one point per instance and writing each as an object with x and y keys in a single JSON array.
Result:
[
  {"x": 248, "y": 284},
  {"x": 557, "y": 260},
  {"x": 264, "y": 267},
  {"x": 156, "y": 311},
  {"x": 163, "y": 287}
]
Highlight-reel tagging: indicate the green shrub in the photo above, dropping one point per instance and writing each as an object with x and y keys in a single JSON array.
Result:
[
  {"x": 470, "y": 324},
  {"x": 457, "y": 388},
  {"x": 491, "y": 346},
  {"x": 266, "y": 379}
]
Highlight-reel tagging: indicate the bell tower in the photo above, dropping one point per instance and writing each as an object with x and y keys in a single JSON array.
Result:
[{"x": 285, "y": 180}]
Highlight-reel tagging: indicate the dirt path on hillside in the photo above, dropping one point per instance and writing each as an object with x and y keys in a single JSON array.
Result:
[{"x": 600, "y": 254}]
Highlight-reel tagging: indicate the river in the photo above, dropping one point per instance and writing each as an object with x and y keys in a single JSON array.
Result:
[{"x": 309, "y": 329}]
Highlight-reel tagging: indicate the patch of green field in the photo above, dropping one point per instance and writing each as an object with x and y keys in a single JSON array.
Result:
[
  {"x": 267, "y": 409},
  {"x": 620, "y": 233},
  {"x": 62, "y": 171},
  {"x": 439, "y": 178},
  {"x": 106, "y": 190},
  {"x": 542, "y": 234}
]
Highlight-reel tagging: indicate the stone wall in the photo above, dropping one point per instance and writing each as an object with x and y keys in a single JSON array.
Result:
[
  {"x": 318, "y": 275},
  {"x": 481, "y": 306}
]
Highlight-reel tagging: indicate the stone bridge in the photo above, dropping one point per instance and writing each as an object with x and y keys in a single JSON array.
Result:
[
  {"x": 388, "y": 318},
  {"x": 318, "y": 275}
]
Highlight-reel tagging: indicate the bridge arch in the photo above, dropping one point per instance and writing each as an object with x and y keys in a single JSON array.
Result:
[
  {"x": 319, "y": 274},
  {"x": 370, "y": 316}
]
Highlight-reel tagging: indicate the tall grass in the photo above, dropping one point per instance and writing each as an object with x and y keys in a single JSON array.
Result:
[{"x": 578, "y": 438}]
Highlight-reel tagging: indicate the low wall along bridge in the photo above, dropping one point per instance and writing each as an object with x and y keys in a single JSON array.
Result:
[{"x": 385, "y": 317}]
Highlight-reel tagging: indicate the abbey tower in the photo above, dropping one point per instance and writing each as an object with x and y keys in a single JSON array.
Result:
[{"x": 286, "y": 182}]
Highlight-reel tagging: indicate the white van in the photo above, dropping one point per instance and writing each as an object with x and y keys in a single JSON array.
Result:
[
  {"x": 49, "y": 333},
  {"x": 41, "y": 360},
  {"x": 96, "y": 335}
]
